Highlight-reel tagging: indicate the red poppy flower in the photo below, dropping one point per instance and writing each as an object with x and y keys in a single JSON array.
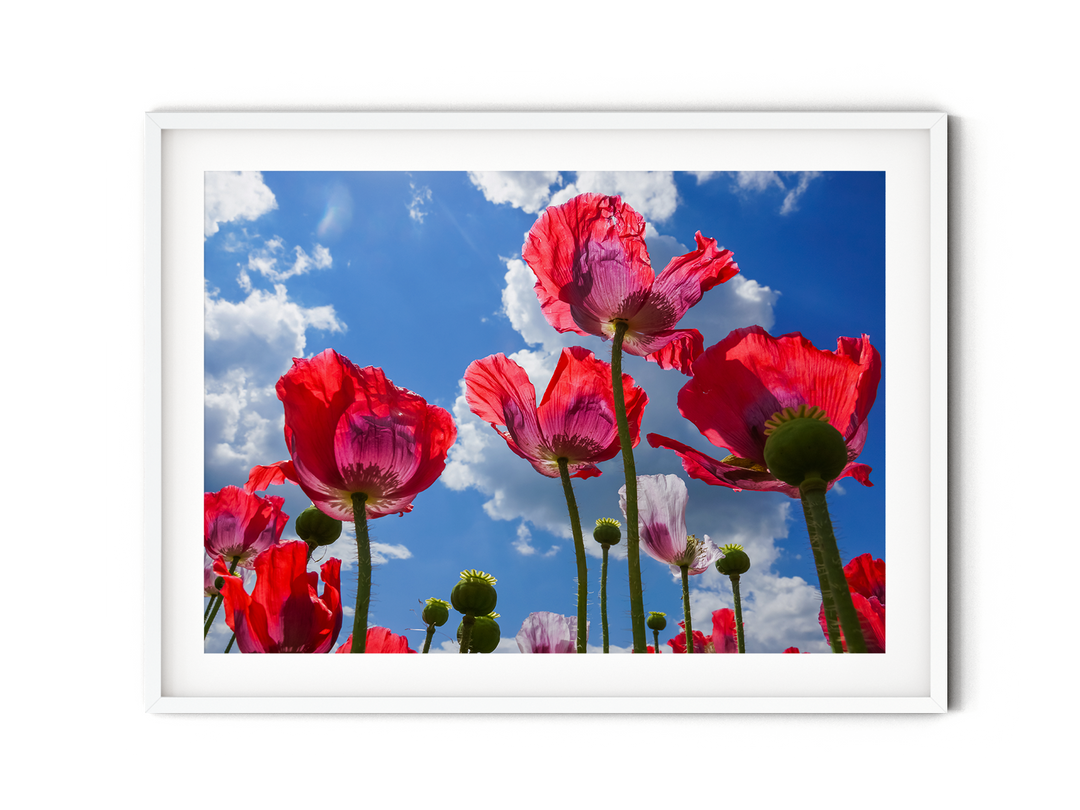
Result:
[
  {"x": 866, "y": 581},
  {"x": 794, "y": 650},
  {"x": 747, "y": 377},
  {"x": 284, "y": 613},
  {"x": 702, "y": 643},
  {"x": 379, "y": 640},
  {"x": 238, "y": 524},
  {"x": 592, "y": 269},
  {"x": 724, "y": 639},
  {"x": 575, "y": 420},
  {"x": 349, "y": 430}
]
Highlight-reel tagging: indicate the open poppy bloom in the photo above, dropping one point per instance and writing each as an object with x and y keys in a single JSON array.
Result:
[
  {"x": 592, "y": 269},
  {"x": 351, "y": 430},
  {"x": 662, "y": 503},
  {"x": 575, "y": 420},
  {"x": 702, "y": 643},
  {"x": 545, "y": 632},
  {"x": 749, "y": 376},
  {"x": 723, "y": 639},
  {"x": 239, "y": 525},
  {"x": 866, "y": 581},
  {"x": 284, "y": 613},
  {"x": 379, "y": 640}
]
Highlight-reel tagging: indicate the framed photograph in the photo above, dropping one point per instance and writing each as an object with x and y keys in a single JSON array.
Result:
[{"x": 460, "y": 272}]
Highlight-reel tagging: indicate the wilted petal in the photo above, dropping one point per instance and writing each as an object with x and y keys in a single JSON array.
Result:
[{"x": 662, "y": 503}]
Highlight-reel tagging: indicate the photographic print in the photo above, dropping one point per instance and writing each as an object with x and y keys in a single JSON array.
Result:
[{"x": 556, "y": 411}]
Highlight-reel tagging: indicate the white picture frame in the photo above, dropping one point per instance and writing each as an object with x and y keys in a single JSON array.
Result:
[{"x": 910, "y": 147}]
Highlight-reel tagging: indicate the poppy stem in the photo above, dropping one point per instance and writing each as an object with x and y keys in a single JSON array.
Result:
[
  {"x": 430, "y": 635},
  {"x": 363, "y": 582},
  {"x": 603, "y": 595},
  {"x": 218, "y": 601},
  {"x": 823, "y": 581},
  {"x": 466, "y": 632},
  {"x": 738, "y": 612},
  {"x": 633, "y": 559},
  {"x": 229, "y": 645},
  {"x": 656, "y": 640},
  {"x": 812, "y": 491},
  {"x": 686, "y": 607},
  {"x": 579, "y": 551},
  {"x": 209, "y": 605}
]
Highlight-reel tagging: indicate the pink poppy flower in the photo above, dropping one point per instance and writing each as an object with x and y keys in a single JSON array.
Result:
[
  {"x": 866, "y": 581},
  {"x": 575, "y": 420},
  {"x": 240, "y": 525},
  {"x": 284, "y": 613},
  {"x": 545, "y": 632},
  {"x": 592, "y": 269},
  {"x": 662, "y": 503},
  {"x": 349, "y": 430},
  {"x": 379, "y": 640},
  {"x": 747, "y": 377}
]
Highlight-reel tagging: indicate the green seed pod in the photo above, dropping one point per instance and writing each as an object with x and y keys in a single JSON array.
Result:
[
  {"x": 316, "y": 528},
  {"x": 607, "y": 532},
  {"x": 436, "y": 612},
  {"x": 475, "y": 593},
  {"x": 656, "y": 621},
  {"x": 802, "y": 445},
  {"x": 485, "y": 634},
  {"x": 734, "y": 562}
]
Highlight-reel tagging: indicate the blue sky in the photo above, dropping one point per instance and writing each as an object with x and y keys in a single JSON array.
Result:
[{"x": 420, "y": 273}]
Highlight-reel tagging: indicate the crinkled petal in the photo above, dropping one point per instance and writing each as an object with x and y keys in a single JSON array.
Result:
[
  {"x": 241, "y": 524},
  {"x": 866, "y": 576},
  {"x": 724, "y": 636},
  {"x": 590, "y": 262},
  {"x": 379, "y": 640},
  {"x": 682, "y": 348},
  {"x": 681, "y": 285},
  {"x": 707, "y": 469},
  {"x": 499, "y": 391},
  {"x": 748, "y": 376},
  {"x": 351, "y": 430},
  {"x": 545, "y": 632},
  {"x": 262, "y": 477},
  {"x": 662, "y": 503}
]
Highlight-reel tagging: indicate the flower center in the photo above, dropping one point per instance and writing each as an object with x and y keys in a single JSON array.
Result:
[{"x": 804, "y": 411}]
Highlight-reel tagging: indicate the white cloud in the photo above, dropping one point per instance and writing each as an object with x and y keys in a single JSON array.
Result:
[
  {"x": 248, "y": 345},
  {"x": 420, "y": 195},
  {"x": 758, "y": 182},
  {"x": 230, "y": 196},
  {"x": 703, "y": 177},
  {"x": 528, "y": 191},
  {"x": 524, "y": 545},
  {"x": 265, "y": 261},
  {"x": 651, "y": 194}
]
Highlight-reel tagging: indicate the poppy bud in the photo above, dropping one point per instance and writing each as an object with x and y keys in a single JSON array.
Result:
[
  {"x": 475, "y": 593},
  {"x": 316, "y": 528},
  {"x": 607, "y": 532},
  {"x": 802, "y": 444},
  {"x": 485, "y": 634},
  {"x": 656, "y": 621},
  {"x": 436, "y": 612},
  {"x": 734, "y": 562}
]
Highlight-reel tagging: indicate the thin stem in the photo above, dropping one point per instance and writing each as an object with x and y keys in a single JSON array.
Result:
[
  {"x": 466, "y": 632},
  {"x": 579, "y": 551},
  {"x": 430, "y": 635},
  {"x": 656, "y": 640},
  {"x": 229, "y": 645},
  {"x": 686, "y": 607},
  {"x": 363, "y": 582},
  {"x": 210, "y": 604},
  {"x": 217, "y": 602},
  {"x": 823, "y": 582},
  {"x": 637, "y": 605},
  {"x": 603, "y": 594},
  {"x": 738, "y": 613},
  {"x": 814, "y": 497}
]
